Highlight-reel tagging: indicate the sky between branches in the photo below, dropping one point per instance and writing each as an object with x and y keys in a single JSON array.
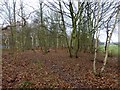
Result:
[{"x": 31, "y": 5}]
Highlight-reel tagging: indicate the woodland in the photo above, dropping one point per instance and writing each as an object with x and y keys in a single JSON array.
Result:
[{"x": 57, "y": 44}]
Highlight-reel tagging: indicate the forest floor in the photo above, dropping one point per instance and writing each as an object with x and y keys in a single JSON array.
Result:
[{"x": 56, "y": 69}]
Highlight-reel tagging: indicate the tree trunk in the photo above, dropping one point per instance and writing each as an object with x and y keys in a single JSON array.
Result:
[
  {"x": 96, "y": 42},
  {"x": 64, "y": 30},
  {"x": 108, "y": 42}
]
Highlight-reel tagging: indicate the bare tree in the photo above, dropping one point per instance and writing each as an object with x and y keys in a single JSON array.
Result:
[
  {"x": 10, "y": 14},
  {"x": 101, "y": 22},
  {"x": 96, "y": 42},
  {"x": 109, "y": 38}
]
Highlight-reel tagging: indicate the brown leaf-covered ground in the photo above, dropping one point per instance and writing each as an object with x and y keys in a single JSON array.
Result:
[{"x": 55, "y": 69}]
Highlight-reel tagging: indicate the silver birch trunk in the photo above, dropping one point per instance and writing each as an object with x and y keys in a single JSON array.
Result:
[
  {"x": 109, "y": 38},
  {"x": 96, "y": 42}
]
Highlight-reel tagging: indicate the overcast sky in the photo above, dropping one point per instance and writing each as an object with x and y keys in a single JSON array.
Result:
[{"x": 34, "y": 3}]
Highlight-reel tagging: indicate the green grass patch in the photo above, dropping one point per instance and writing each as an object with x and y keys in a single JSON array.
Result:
[
  {"x": 25, "y": 84},
  {"x": 113, "y": 49}
]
